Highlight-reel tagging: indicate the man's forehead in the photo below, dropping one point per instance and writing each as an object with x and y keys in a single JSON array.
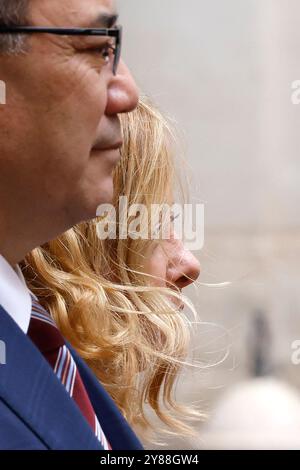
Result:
[
  {"x": 93, "y": 13},
  {"x": 75, "y": 13},
  {"x": 99, "y": 8}
]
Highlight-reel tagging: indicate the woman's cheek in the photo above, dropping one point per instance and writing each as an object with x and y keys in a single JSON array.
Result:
[{"x": 156, "y": 266}]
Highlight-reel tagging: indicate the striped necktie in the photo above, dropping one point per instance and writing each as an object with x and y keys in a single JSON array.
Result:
[{"x": 45, "y": 335}]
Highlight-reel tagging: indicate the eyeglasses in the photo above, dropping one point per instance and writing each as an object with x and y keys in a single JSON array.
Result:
[{"x": 115, "y": 33}]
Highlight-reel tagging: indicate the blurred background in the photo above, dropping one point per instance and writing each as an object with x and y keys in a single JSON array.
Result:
[{"x": 223, "y": 69}]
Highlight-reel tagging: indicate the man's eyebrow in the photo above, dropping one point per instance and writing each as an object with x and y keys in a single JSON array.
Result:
[{"x": 104, "y": 20}]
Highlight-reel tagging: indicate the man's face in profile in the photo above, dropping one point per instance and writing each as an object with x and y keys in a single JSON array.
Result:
[{"x": 59, "y": 129}]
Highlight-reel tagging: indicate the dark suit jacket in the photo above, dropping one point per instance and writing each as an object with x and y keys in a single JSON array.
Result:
[{"x": 36, "y": 412}]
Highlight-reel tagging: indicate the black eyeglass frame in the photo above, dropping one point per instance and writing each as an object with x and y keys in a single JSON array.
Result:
[{"x": 115, "y": 32}]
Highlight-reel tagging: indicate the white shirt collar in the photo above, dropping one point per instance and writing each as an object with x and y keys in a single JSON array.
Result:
[{"x": 14, "y": 294}]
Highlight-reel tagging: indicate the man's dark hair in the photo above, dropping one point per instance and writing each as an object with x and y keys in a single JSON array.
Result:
[{"x": 13, "y": 12}]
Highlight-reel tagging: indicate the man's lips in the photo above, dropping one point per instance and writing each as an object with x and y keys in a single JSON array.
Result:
[{"x": 115, "y": 146}]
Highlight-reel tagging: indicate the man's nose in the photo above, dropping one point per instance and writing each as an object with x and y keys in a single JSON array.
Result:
[
  {"x": 184, "y": 269},
  {"x": 123, "y": 94}
]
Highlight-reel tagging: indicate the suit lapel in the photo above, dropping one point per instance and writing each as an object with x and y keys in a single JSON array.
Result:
[
  {"x": 114, "y": 425},
  {"x": 29, "y": 386}
]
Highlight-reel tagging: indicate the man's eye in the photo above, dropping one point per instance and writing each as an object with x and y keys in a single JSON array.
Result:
[{"x": 106, "y": 51}]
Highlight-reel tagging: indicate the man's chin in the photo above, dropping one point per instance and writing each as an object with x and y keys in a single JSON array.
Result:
[
  {"x": 105, "y": 196},
  {"x": 91, "y": 203}
]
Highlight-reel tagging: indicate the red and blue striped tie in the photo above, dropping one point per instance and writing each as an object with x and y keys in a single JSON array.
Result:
[{"x": 46, "y": 336}]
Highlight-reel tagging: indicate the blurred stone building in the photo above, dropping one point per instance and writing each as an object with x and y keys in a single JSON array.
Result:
[{"x": 224, "y": 70}]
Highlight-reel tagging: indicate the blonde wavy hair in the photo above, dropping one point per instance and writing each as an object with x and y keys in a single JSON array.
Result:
[{"x": 129, "y": 332}]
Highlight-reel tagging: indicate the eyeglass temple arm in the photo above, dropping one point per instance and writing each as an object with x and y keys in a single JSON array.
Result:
[{"x": 114, "y": 32}]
